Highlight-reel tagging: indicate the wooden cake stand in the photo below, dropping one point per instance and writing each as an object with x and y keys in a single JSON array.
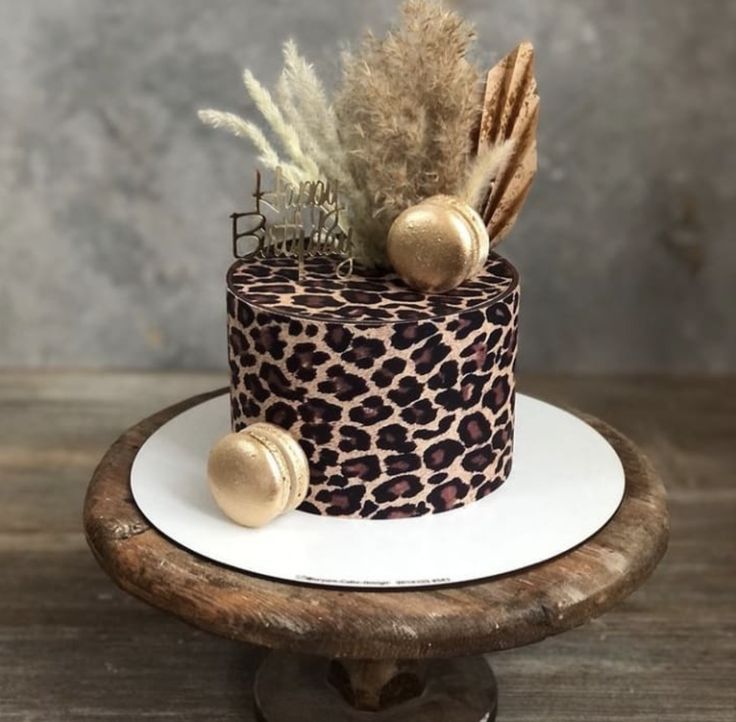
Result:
[{"x": 409, "y": 655}]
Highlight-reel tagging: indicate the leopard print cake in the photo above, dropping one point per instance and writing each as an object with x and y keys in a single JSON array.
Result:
[{"x": 402, "y": 401}]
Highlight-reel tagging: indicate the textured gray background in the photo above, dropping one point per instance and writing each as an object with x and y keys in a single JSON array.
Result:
[{"x": 114, "y": 201}]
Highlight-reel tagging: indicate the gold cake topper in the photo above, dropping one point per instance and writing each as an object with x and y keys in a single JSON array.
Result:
[{"x": 304, "y": 221}]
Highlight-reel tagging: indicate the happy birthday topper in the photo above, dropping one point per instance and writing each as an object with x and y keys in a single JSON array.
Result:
[{"x": 296, "y": 222}]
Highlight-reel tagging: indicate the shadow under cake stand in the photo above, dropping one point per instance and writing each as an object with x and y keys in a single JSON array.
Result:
[{"x": 346, "y": 655}]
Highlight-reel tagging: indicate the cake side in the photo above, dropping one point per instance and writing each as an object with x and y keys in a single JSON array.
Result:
[{"x": 403, "y": 409}]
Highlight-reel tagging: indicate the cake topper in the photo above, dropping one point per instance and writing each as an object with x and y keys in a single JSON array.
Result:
[
  {"x": 410, "y": 120},
  {"x": 304, "y": 221}
]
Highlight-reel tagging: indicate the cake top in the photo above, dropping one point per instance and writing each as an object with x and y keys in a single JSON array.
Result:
[
  {"x": 367, "y": 297},
  {"x": 412, "y": 165}
]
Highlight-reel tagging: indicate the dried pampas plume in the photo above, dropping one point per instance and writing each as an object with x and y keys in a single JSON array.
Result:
[
  {"x": 281, "y": 129},
  {"x": 245, "y": 129},
  {"x": 406, "y": 111},
  {"x": 303, "y": 98},
  {"x": 484, "y": 170},
  {"x": 300, "y": 118}
]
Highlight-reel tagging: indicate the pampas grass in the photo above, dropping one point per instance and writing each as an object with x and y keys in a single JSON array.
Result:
[
  {"x": 246, "y": 129},
  {"x": 301, "y": 121},
  {"x": 305, "y": 102},
  {"x": 406, "y": 111},
  {"x": 483, "y": 171},
  {"x": 401, "y": 128},
  {"x": 281, "y": 129}
]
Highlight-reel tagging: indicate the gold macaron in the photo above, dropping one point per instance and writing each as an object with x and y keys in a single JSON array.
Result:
[
  {"x": 257, "y": 474},
  {"x": 438, "y": 244}
]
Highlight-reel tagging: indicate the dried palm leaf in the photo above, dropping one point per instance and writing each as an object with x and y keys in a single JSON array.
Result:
[{"x": 510, "y": 113}]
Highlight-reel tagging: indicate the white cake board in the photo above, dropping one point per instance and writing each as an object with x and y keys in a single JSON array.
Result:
[{"x": 566, "y": 483}]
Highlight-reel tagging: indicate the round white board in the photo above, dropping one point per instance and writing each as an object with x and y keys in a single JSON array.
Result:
[{"x": 566, "y": 483}]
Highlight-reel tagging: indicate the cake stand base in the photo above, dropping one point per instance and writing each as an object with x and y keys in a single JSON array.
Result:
[
  {"x": 441, "y": 690},
  {"x": 441, "y": 627},
  {"x": 567, "y": 482}
]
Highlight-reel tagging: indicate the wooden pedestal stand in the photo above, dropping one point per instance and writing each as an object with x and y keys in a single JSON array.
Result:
[{"x": 408, "y": 656}]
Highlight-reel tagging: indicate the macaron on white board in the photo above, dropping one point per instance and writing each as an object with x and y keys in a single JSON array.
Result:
[{"x": 566, "y": 483}]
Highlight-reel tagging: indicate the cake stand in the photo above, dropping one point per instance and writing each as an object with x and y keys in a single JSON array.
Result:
[{"x": 348, "y": 655}]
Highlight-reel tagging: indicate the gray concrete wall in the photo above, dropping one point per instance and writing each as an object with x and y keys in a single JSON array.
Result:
[{"x": 114, "y": 200}]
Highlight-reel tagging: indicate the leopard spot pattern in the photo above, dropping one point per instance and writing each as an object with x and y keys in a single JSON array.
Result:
[{"x": 403, "y": 402}]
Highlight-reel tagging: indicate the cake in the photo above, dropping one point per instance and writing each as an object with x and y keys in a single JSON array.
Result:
[
  {"x": 370, "y": 316},
  {"x": 402, "y": 401}
]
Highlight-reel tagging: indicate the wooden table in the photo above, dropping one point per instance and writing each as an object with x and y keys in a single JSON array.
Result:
[{"x": 72, "y": 647}]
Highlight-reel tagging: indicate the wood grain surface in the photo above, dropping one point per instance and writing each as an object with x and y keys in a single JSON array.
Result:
[
  {"x": 472, "y": 618},
  {"x": 72, "y": 647}
]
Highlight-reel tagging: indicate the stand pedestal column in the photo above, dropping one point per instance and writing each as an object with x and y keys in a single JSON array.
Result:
[{"x": 290, "y": 686}]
